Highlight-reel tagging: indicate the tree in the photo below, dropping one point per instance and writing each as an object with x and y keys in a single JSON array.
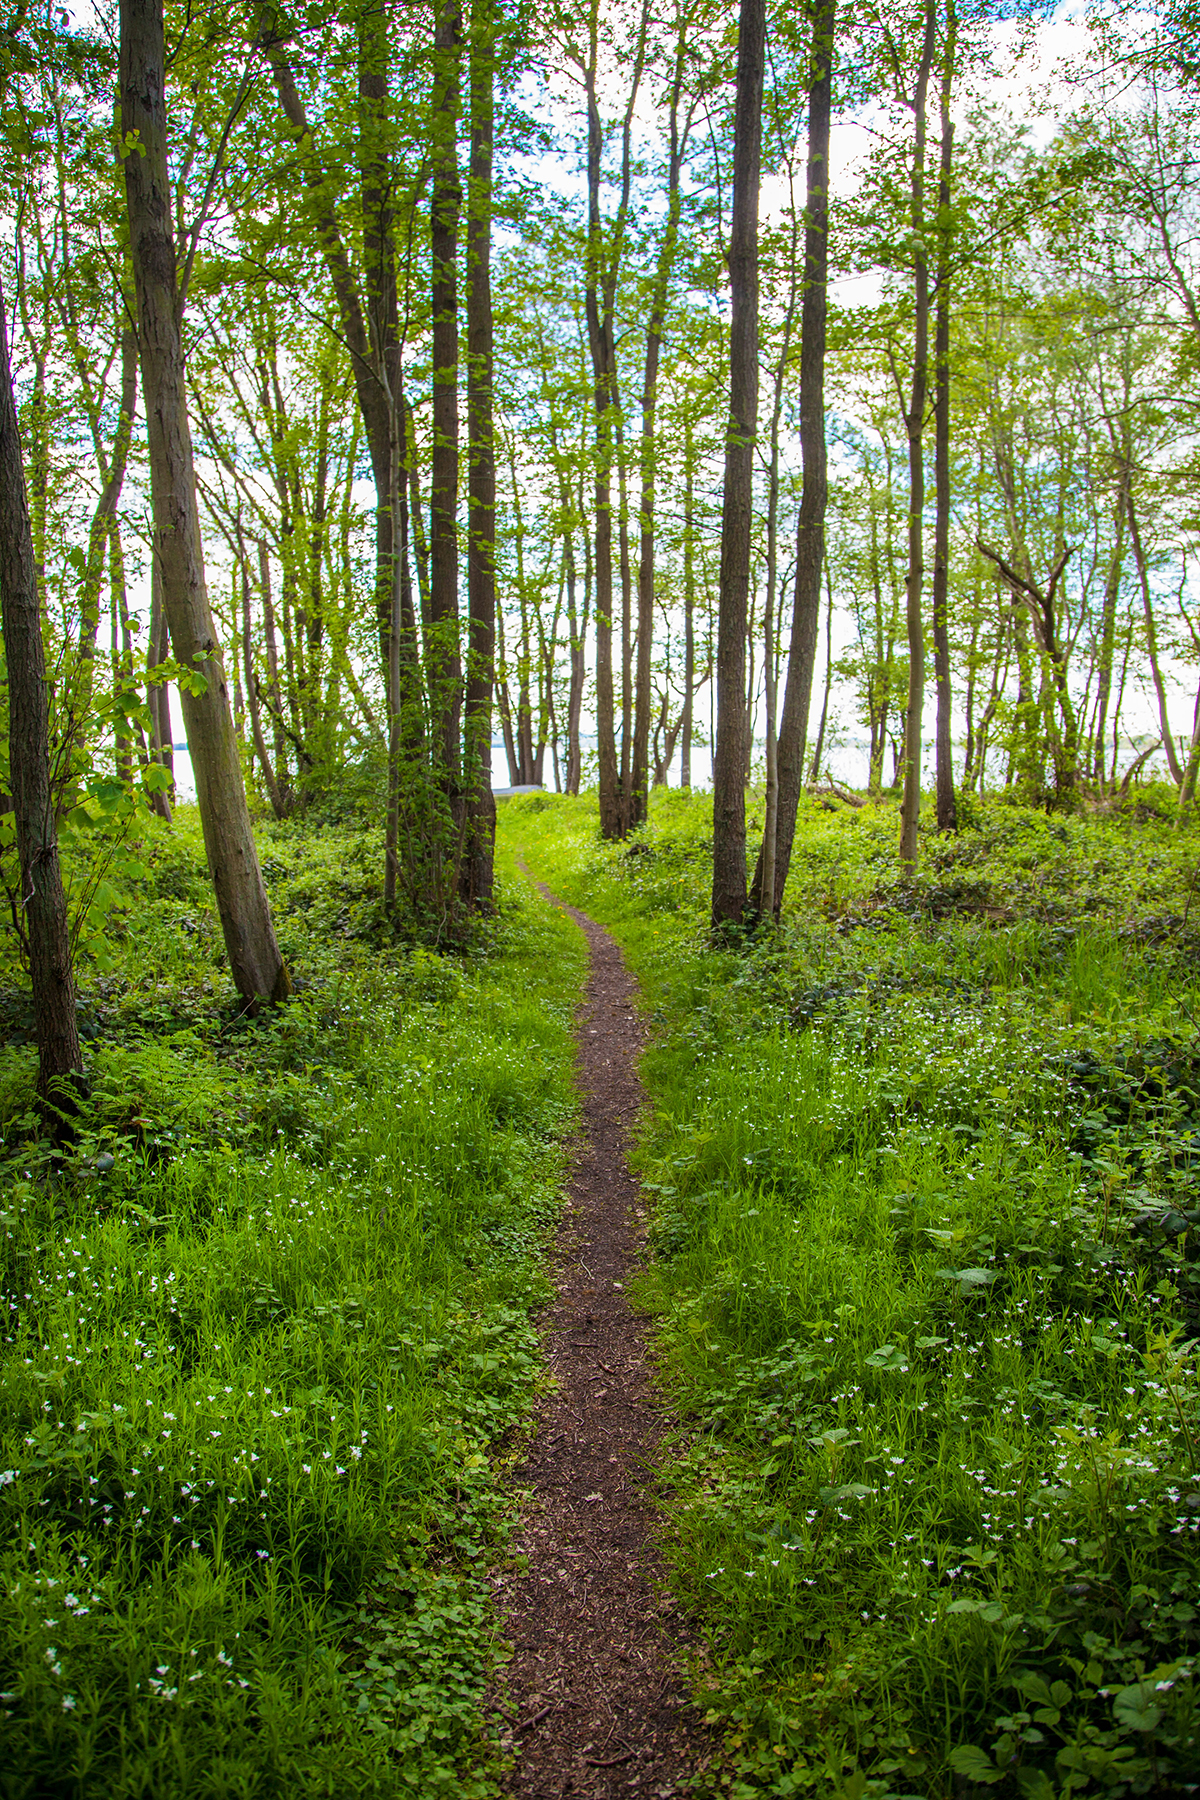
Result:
[
  {"x": 810, "y": 524},
  {"x": 476, "y": 874},
  {"x": 255, "y": 963},
  {"x": 729, "y": 799},
  {"x": 40, "y": 908}
]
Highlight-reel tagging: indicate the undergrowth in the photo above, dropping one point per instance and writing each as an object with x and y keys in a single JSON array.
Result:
[
  {"x": 266, "y": 1340},
  {"x": 926, "y": 1173}
]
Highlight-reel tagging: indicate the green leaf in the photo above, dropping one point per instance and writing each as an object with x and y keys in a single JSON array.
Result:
[
  {"x": 975, "y": 1764},
  {"x": 1134, "y": 1708},
  {"x": 1034, "y": 1784}
]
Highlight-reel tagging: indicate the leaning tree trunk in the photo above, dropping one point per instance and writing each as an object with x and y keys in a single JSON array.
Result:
[
  {"x": 729, "y": 794},
  {"x": 476, "y": 875},
  {"x": 254, "y": 960},
  {"x": 42, "y": 919},
  {"x": 810, "y": 526}
]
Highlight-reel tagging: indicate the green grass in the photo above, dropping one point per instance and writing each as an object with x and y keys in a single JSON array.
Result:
[
  {"x": 926, "y": 1173},
  {"x": 267, "y": 1341}
]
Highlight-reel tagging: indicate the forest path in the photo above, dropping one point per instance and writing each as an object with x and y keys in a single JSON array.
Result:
[{"x": 597, "y": 1703}]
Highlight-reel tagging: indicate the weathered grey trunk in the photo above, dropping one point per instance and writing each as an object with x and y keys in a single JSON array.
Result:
[
  {"x": 729, "y": 794},
  {"x": 255, "y": 963},
  {"x": 41, "y": 905}
]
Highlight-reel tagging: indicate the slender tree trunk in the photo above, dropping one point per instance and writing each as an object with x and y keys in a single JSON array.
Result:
[
  {"x": 729, "y": 794},
  {"x": 1139, "y": 555},
  {"x": 947, "y": 811},
  {"x": 810, "y": 525},
  {"x": 639, "y": 800},
  {"x": 255, "y": 963},
  {"x": 601, "y": 269},
  {"x": 1108, "y": 625},
  {"x": 910, "y": 806},
  {"x": 689, "y": 614},
  {"x": 162, "y": 749},
  {"x": 41, "y": 920},
  {"x": 626, "y": 569},
  {"x": 103, "y": 523},
  {"x": 252, "y": 699},
  {"x": 445, "y": 210},
  {"x": 476, "y": 877},
  {"x": 819, "y": 747},
  {"x": 1191, "y": 769}
]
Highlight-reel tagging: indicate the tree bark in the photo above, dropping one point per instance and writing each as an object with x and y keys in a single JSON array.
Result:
[
  {"x": 601, "y": 270},
  {"x": 445, "y": 208},
  {"x": 947, "y": 810},
  {"x": 729, "y": 794},
  {"x": 42, "y": 918},
  {"x": 689, "y": 611},
  {"x": 1160, "y": 691},
  {"x": 810, "y": 525},
  {"x": 255, "y": 963},
  {"x": 914, "y": 422},
  {"x": 162, "y": 748},
  {"x": 476, "y": 875}
]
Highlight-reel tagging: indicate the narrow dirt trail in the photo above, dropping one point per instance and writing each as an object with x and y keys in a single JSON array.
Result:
[{"x": 593, "y": 1690}]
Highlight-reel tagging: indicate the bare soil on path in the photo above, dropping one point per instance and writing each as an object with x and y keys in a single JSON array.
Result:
[{"x": 593, "y": 1698}]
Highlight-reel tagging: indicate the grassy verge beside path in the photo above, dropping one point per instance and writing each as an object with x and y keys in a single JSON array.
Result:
[
  {"x": 926, "y": 1172},
  {"x": 265, "y": 1336}
]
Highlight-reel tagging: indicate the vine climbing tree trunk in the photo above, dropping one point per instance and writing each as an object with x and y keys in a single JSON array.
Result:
[{"x": 255, "y": 962}]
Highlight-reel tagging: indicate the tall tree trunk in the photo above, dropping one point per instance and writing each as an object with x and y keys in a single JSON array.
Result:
[
  {"x": 810, "y": 526},
  {"x": 1139, "y": 556},
  {"x": 369, "y": 379},
  {"x": 42, "y": 918},
  {"x": 819, "y": 746},
  {"x": 910, "y": 806},
  {"x": 626, "y": 569},
  {"x": 1104, "y": 662},
  {"x": 602, "y": 265},
  {"x": 252, "y": 697},
  {"x": 947, "y": 811},
  {"x": 729, "y": 794},
  {"x": 162, "y": 749},
  {"x": 445, "y": 209},
  {"x": 654, "y": 334},
  {"x": 476, "y": 877},
  {"x": 689, "y": 611},
  {"x": 255, "y": 963}
]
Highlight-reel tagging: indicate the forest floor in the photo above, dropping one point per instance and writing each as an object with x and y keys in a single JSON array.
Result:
[{"x": 595, "y": 1692}]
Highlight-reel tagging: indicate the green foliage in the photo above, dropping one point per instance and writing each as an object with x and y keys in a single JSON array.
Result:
[
  {"x": 266, "y": 1340},
  {"x": 927, "y": 1284}
]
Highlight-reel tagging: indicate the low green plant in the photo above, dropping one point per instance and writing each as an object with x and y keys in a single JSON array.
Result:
[
  {"x": 266, "y": 1342},
  {"x": 925, "y": 1221}
]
